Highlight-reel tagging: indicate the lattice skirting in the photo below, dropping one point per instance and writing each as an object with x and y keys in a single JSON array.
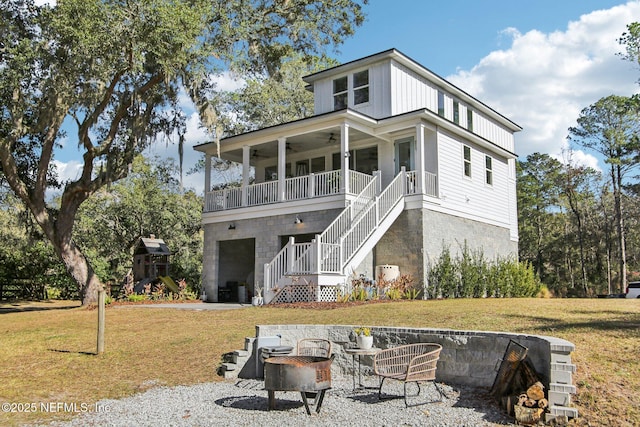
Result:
[{"x": 305, "y": 293}]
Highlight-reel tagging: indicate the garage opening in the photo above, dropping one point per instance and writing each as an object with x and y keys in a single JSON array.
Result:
[{"x": 236, "y": 270}]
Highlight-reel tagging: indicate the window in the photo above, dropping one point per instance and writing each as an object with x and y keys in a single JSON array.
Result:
[
  {"x": 363, "y": 160},
  {"x": 271, "y": 173},
  {"x": 469, "y": 120},
  {"x": 456, "y": 112},
  {"x": 440, "y": 104},
  {"x": 488, "y": 167},
  {"x": 340, "y": 88},
  {"x": 467, "y": 161},
  {"x": 361, "y": 87},
  {"x": 317, "y": 164}
]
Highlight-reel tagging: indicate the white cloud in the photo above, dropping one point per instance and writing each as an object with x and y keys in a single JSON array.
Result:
[
  {"x": 580, "y": 158},
  {"x": 228, "y": 81},
  {"x": 69, "y": 171},
  {"x": 543, "y": 80}
]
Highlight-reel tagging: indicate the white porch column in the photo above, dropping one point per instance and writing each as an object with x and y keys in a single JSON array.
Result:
[
  {"x": 420, "y": 158},
  {"x": 344, "y": 156},
  {"x": 207, "y": 174},
  {"x": 245, "y": 172},
  {"x": 282, "y": 162}
]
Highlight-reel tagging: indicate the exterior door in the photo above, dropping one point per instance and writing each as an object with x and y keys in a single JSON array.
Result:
[{"x": 404, "y": 154}]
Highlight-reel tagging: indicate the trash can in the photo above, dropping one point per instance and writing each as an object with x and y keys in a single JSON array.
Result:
[
  {"x": 270, "y": 351},
  {"x": 273, "y": 351}
]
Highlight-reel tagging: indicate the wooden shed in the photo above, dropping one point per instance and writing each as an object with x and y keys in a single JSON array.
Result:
[{"x": 150, "y": 259}]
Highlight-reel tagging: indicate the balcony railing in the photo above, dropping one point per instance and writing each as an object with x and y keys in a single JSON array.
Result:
[
  {"x": 297, "y": 188},
  {"x": 302, "y": 187}
]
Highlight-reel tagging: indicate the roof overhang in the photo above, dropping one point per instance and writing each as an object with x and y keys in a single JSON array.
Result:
[{"x": 314, "y": 132}]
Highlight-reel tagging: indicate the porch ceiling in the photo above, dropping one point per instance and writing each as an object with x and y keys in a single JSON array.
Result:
[{"x": 328, "y": 139}]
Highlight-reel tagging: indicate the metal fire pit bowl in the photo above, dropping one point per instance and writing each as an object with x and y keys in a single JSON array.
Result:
[{"x": 309, "y": 375}]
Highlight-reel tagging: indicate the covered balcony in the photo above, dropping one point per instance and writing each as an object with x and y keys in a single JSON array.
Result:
[
  {"x": 303, "y": 187},
  {"x": 326, "y": 156}
]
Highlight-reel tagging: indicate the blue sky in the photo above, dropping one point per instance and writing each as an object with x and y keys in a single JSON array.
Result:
[
  {"x": 447, "y": 35},
  {"x": 538, "y": 62}
]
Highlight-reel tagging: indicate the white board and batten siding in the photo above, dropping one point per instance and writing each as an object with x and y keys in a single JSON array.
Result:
[
  {"x": 489, "y": 130},
  {"x": 411, "y": 92},
  {"x": 471, "y": 197},
  {"x": 379, "y": 92}
]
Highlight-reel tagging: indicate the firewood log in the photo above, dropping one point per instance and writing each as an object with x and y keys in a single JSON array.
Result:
[
  {"x": 543, "y": 403},
  {"x": 530, "y": 403},
  {"x": 536, "y": 391},
  {"x": 522, "y": 398}
]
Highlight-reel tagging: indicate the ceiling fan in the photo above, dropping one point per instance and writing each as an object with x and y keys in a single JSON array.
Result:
[
  {"x": 332, "y": 139},
  {"x": 255, "y": 154},
  {"x": 290, "y": 147}
]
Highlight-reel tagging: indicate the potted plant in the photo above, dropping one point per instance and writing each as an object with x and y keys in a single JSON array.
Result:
[
  {"x": 364, "y": 339},
  {"x": 257, "y": 299}
]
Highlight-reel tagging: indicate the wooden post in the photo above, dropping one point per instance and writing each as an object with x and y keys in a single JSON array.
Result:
[{"x": 101, "y": 302}]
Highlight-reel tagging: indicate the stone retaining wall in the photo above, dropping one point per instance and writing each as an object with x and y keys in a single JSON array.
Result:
[{"x": 467, "y": 357}]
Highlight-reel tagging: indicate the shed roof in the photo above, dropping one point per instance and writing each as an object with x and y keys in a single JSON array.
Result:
[{"x": 152, "y": 246}]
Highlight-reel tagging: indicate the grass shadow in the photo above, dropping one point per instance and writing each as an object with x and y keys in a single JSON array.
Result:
[
  {"x": 631, "y": 324},
  {"x": 17, "y": 308},
  {"x": 84, "y": 353}
]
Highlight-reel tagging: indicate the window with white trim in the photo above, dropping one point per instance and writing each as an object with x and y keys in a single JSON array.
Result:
[
  {"x": 440, "y": 104},
  {"x": 466, "y": 150},
  {"x": 488, "y": 169},
  {"x": 469, "y": 120},
  {"x": 340, "y": 93},
  {"x": 361, "y": 87},
  {"x": 456, "y": 112}
]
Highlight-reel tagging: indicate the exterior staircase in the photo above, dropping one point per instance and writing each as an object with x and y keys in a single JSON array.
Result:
[{"x": 311, "y": 271}]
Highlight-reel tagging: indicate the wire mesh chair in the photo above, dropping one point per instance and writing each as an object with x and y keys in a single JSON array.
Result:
[
  {"x": 408, "y": 363},
  {"x": 316, "y": 347}
]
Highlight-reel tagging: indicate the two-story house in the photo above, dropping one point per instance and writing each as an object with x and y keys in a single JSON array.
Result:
[{"x": 395, "y": 164}]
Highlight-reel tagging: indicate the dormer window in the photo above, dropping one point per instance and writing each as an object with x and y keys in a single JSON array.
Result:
[
  {"x": 361, "y": 87},
  {"x": 340, "y": 92}
]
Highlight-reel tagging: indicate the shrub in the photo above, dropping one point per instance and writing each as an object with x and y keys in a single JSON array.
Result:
[
  {"x": 443, "y": 276},
  {"x": 472, "y": 275}
]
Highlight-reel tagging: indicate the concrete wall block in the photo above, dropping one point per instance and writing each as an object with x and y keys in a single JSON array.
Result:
[
  {"x": 248, "y": 344},
  {"x": 560, "y": 358},
  {"x": 474, "y": 357},
  {"x": 561, "y": 377},
  {"x": 558, "y": 345},
  {"x": 568, "y": 367},
  {"x": 457, "y": 369},
  {"x": 559, "y": 398},
  {"x": 566, "y": 388},
  {"x": 564, "y": 410}
]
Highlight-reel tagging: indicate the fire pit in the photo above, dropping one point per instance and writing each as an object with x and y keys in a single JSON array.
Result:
[{"x": 309, "y": 375}]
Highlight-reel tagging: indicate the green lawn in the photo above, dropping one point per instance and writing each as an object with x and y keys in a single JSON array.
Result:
[{"x": 47, "y": 354}]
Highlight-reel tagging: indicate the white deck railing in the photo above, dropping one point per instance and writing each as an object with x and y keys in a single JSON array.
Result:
[
  {"x": 430, "y": 183},
  {"x": 301, "y": 187},
  {"x": 334, "y": 253}
]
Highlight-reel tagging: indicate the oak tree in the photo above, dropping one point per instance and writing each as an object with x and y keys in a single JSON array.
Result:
[{"x": 106, "y": 76}]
